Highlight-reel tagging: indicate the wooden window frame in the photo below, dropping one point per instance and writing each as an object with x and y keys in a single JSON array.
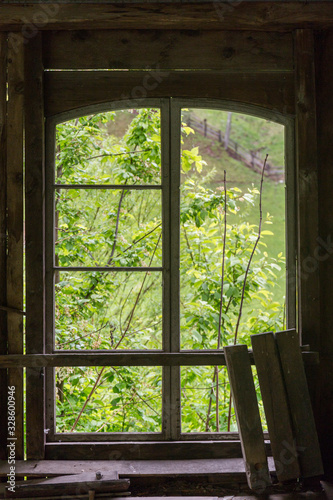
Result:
[
  {"x": 281, "y": 81},
  {"x": 171, "y": 358}
]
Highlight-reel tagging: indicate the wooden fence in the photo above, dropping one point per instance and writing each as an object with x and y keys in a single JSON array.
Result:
[{"x": 252, "y": 159}]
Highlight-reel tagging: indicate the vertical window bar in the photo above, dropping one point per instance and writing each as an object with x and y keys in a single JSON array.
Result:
[
  {"x": 49, "y": 274},
  {"x": 175, "y": 132},
  {"x": 291, "y": 247},
  {"x": 166, "y": 236}
]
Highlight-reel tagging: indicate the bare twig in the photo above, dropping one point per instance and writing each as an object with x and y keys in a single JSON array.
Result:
[
  {"x": 223, "y": 257},
  {"x": 188, "y": 244},
  {"x": 247, "y": 272},
  {"x": 110, "y": 155},
  {"x": 221, "y": 301},
  {"x": 252, "y": 253}
]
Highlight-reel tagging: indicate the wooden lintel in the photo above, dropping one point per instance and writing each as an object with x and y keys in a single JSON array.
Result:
[
  {"x": 245, "y": 15},
  {"x": 228, "y": 51},
  {"x": 68, "y": 90}
]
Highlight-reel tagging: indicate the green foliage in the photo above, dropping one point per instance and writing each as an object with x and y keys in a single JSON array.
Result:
[{"x": 122, "y": 227}]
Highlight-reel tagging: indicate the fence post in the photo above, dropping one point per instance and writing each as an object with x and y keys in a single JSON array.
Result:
[
  {"x": 227, "y": 131},
  {"x": 252, "y": 158},
  {"x": 205, "y": 127}
]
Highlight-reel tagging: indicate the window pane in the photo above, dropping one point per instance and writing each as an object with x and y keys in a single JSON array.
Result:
[
  {"x": 96, "y": 227},
  {"x": 206, "y": 154},
  {"x": 108, "y": 310},
  {"x": 203, "y": 388},
  {"x": 126, "y": 399},
  {"x": 198, "y": 399},
  {"x": 116, "y": 147}
]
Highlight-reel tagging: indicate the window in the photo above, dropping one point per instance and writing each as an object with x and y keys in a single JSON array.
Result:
[{"x": 134, "y": 239}]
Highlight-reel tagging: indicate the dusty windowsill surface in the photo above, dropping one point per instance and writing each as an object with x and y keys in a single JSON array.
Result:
[{"x": 214, "y": 478}]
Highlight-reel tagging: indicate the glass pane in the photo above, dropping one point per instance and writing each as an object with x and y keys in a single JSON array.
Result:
[
  {"x": 253, "y": 286},
  {"x": 126, "y": 399},
  {"x": 108, "y": 310},
  {"x": 115, "y": 147},
  {"x": 202, "y": 389},
  {"x": 96, "y": 227}
]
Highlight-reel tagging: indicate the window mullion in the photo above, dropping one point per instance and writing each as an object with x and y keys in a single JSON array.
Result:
[{"x": 175, "y": 130}]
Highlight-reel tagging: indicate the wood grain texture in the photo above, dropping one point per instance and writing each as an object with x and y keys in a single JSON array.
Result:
[
  {"x": 307, "y": 180},
  {"x": 130, "y": 468},
  {"x": 143, "y": 451},
  {"x": 71, "y": 90},
  {"x": 34, "y": 197},
  {"x": 229, "y": 51},
  {"x": 126, "y": 359},
  {"x": 261, "y": 15},
  {"x": 79, "y": 484},
  {"x": 3, "y": 240},
  {"x": 324, "y": 399},
  {"x": 307, "y": 449},
  {"x": 248, "y": 417},
  {"x": 15, "y": 223},
  {"x": 276, "y": 407}
]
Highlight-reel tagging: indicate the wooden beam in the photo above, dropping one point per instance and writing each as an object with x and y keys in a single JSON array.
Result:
[
  {"x": 133, "y": 468},
  {"x": 67, "y": 90},
  {"x": 3, "y": 240},
  {"x": 134, "y": 450},
  {"x": 257, "y": 15},
  {"x": 229, "y": 51},
  {"x": 15, "y": 223},
  {"x": 34, "y": 153},
  {"x": 276, "y": 407},
  {"x": 307, "y": 179},
  {"x": 307, "y": 449},
  {"x": 129, "y": 358},
  {"x": 248, "y": 417}
]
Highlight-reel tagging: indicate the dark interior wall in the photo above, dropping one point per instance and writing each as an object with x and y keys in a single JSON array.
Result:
[{"x": 324, "y": 86}]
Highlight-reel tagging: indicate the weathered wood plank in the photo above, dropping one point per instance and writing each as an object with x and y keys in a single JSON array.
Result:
[
  {"x": 131, "y": 468},
  {"x": 34, "y": 195},
  {"x": 161, "y": 450},
  {"x": 275, "y": 402},
  {"x": 70, "y": 90},
  {"x": 261, "y": 15},
  {"x": 125, "y": 358},
  {"x": 15, "y": 223},
  {"x": 77, "y": 484},
  {"x": 230, "y": 51},
  {"x": 3, "y": 240},
  {"x": 248, "y": 417},
  {"x": 308, "y": 450},
  {"x": 307, "y": 179}
]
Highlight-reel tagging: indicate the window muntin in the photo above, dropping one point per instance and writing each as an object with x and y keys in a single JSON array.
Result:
[{"x": 172, "y": 380}]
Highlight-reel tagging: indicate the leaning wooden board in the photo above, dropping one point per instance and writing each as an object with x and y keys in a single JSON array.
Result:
[
  {"x": 308, "y": 449},
  {"x": 248, "y": 417},
  {"x": 274, "y": 397}
]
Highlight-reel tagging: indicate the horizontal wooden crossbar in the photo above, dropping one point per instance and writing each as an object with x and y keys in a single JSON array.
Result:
[{"x": 126, "y": 358}]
